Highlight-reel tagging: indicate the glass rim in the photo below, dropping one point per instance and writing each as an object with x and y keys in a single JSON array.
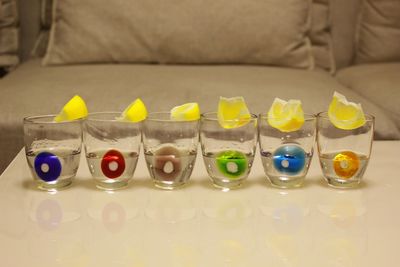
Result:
[
  {"x": 324, "y": 115},
  {"x": 92, "y": 117},
  {"x": 41, "y": 119},
  {"x": 164, "y": 116},
  {"x": 307, "y": 116},
  {"x": 213, "y": 116}
]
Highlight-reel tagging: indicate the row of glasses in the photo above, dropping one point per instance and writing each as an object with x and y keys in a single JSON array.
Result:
[{"x": 112, "y": 149}]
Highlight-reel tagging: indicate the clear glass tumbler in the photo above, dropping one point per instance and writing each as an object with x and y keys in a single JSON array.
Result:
[
  {"x": 170, "y": 149},
  {"x": 286, "y": 156},
  {"x": 112, "y": 149},
  {"x": 228, "y": 154},
  {"x": 344, "y": 154},
  {"x": 53, "y": 150}
]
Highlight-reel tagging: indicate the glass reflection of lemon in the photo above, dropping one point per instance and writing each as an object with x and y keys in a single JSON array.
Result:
[
  {"x": 184, "y": 255},
  {"x": 286, "y": 247},
  {"x": 232, "y": 212}
]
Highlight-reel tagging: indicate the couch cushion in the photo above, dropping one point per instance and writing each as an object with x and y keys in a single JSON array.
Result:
[
  {"x": 29, "y": 18},
  {"x": 378, "y": 36},
  {"x": 33, "y": 89},
  {"x": 214, "y": 31},
  {"x": 8, "y": 33},
  {"x": 320, "y": 35},
  {"x": 378, "y": 82},
  {"x": 344, "y": 17}
]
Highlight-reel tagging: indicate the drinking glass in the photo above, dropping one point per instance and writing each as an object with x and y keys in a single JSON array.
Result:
[
  {"x": 52, "y": 150},
  {"x": 344, "y": 154},
  {"x": 228, "y": 153},
  {"x": 286, "y": 156},
  {"x": 112, "y": 149},
  {"x": 170, "y": 149}
]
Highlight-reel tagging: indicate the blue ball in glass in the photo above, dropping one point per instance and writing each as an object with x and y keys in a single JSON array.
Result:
[
  {"x": 289, "y": 159},
  {"x": 47, "y": 166}
]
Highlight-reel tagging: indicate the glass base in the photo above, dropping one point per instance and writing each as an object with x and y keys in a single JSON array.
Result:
[
  {"x": 111, "y": 186},
  {"x": 168, "y": 185},
  {"x": 232, "y": 184},
  {"x": 342, "y": 184},
  {"x": 286, "y": 182},
  {"x": 59, "y": 185}
]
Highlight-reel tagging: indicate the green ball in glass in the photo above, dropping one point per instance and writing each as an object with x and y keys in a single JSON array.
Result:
[{"x": 231, "y": 163}]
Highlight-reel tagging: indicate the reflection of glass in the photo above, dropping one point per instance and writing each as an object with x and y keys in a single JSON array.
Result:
[
  {"x": 340, "y": 228},
  {"x": 227, "y": 237},
  {"x": 170, "y": 149},
  {"x": 286, "y": 156},
  {"x": 344, "y": 154},
  {"x": 53, "y": 150},
  {"x": 170, "y": 207},
  {"x": 113, "y": 211},
  {"x": 57, "y": 235},
  {"x": 283, "y": 227},
  {"x": 57, "y": 250},
  {"x": 171, "y": 218},
  {"x": 227, "y": 153},
  {"x": 51, "y": 210},
  {"x": 116, "y": 229},
  {"x": 112, "y": 149}
]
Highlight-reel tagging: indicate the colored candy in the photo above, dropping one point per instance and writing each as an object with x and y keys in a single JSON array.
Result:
[
  {"x": 167, "y": 163},
  {"x": 232, "y": 163},
  {"x": 113, "y": 164},
  {"x": 47, "y": 166},
  {"x": 289, "y": 159},
  {"x": 346, "y": 164}
]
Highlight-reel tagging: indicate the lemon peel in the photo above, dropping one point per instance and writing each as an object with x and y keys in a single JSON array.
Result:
[
  {"x": 286, "y": 116},
  {"x": 135, "y": 112},
  {"x": 74, "y": 109},
  {"x": 186, "y": 112},
  {"x": 344, "y": 114},
  {"x": 233, "y": 112}
]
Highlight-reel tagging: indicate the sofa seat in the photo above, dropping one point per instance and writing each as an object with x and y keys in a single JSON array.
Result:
[
  {"x": 379, "y": 83},
  {"x": 33, "y": 90}
]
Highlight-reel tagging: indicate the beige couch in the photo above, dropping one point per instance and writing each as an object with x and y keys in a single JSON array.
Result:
[{"x": 111, "y": 84}]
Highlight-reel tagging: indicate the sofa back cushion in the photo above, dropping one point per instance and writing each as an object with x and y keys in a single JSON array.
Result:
[
  {"x": 181, "y": 31},
  {"x": 344, "y": 16},
  {"x": 320, "y": 35},
  {"x": 378, "y": 35},
  {"x": 9, "y": 33}
]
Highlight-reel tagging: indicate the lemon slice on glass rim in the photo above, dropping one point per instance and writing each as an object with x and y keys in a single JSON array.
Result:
[
  {"x": 135, "y": 112},
  {"x": 74, "y": 109},
  {"x": 344, "y": 114},
  {"x": 186, "y": 112},
  {"x": 286, "y": 116},
  {"x": 233, "y": 112}
]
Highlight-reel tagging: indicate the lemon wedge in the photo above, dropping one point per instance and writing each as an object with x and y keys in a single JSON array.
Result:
[
  {"x": 135, "y": 112},
  {"x": 286, "y": 116},
  {"x": 73, "y": 110},
  {"x": 186, "y": 112},
  {"x": 233, "y": 112},
  {"x": 344, "y": 114}
]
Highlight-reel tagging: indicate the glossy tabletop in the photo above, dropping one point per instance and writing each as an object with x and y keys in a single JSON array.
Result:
[{"x": 198, "y": 225}]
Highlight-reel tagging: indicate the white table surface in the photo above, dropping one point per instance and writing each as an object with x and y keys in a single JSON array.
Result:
[{"x": 198, "y": 225}]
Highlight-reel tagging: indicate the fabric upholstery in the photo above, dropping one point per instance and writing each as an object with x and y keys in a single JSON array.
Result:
[
  {"x": 29, "y": 14},
  {"x": 320, "y": 35},
  {"x": 33, "y": 90},
  {"x": 270, "y": 32},
  {"x": 378, "y": 82},
  {"x": 378, "y": 36},
  {"x": 40, "y": 47},
  {"x": 8, "y": 33},
  {"x": 344, "y": 17}
]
